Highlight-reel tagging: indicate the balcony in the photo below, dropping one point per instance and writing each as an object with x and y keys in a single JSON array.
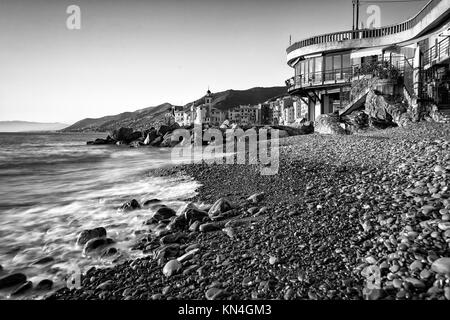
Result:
[
  {"x": 437, "y": 53},
  {"x": 385, "y": 67},
  {"x": 433, "y": 12}
]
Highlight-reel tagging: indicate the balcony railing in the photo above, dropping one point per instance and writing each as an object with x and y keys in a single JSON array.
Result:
[
  {"x": 438, "y": 52},
  {"x": 367, "y": 33},
  {"x": 385, "y": 67}
]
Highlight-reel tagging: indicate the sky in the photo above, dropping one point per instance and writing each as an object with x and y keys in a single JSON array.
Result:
[{"x": 133, "y": 54}]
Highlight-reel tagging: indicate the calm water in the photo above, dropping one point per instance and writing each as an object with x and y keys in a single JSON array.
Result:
[{"x": 53, "y": 186}]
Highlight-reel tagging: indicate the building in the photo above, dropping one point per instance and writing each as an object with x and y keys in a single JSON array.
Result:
[
  {"x": 326, "y": 67},
  {"x": 203, "y": 113},
  {"x": 245, "y": 115}
]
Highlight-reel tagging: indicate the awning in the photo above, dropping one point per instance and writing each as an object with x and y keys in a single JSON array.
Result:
[{"x": 366, "y": 53}]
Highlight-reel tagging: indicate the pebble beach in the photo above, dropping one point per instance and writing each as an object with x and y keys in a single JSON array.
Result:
[{"x": 363, "y": 216}]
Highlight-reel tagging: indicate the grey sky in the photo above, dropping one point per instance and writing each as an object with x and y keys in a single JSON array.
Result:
[{"x": 134, "y": 54}]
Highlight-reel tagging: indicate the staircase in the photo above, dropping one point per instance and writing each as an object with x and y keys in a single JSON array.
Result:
[{"x": 359, "y": 98}]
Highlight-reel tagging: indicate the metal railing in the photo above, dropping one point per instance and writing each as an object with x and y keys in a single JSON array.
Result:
[
  {"x": 439, "y": 51},
  {"x": 384, "y": 67},
  {"x": 366, "y": 33}
]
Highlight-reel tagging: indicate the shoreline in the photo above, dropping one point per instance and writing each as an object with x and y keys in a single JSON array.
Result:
[{"x": 339, "y": 207}]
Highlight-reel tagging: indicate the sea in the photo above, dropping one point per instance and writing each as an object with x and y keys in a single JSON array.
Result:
[{"x": 53, "y": 186}]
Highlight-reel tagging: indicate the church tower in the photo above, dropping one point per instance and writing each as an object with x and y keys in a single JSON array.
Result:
[{"x": 208, "y": 104}]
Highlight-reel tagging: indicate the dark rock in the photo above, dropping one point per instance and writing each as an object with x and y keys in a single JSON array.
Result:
[
  {"x": 95, "y": 244},
  {"x": 12, "y": 280},
  {"x": 173, "y": 238},
  {"x": 172, "y": 267},
  {"x": 122, "y": 134},
  {"x": 164, "y": 213},
  {"x": 212, "y": 226},
  {"x": 44, "y": 260},
  {"x": 45, "y": 284},
  {"x": 108, "y": 252},
  {"x": 89, "y": 234},
  {"x": 157, "y": 141},
  {"x": 177, "y": 223},
  {"x": 194, "y": 214},
  {"x": 130, "y": 205},
  {"x": 151, "y": 201},
  {"x": 22, "y": 288},
  {"x": 257, "y": 197}
]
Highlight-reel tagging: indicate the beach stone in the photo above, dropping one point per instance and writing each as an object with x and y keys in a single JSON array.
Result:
[
  {"x": 212, "y": 226},
  {"x": 105, "y": 285},
  {"x": 172, "y": 267},
  {"x": 194, "y": 226},
  {"x": 441, "y": 265},
  {"x": 44, "y": 260},
  {"x": 192, "y": 215},
  {"x": 12, "y": 280},
  {"x": 415, "y": 282},
  {"x": 444, "y": 226},
  {"x": 256, "y": 198},
  {"x": 45, "y": 284},
  {"x": 220, "y": 206},
  {"x": 150, "y": 201},
  {"x": 273, "y": 260},
  {"x": 173, "y": 238},
  {"x": 164, "y": 213},
  {"x": 425, "y": 274},
  {"x": 416, "y": 265},
  {"x": 22, "y": 288},
  {"x": 130, "y": 205},
  {"x": 397, "y": 283},
  {"x": 95, "y": 244},
  {"x": 214, "y": 293},
  {"x": 88, "y": 234},
  {"x": 188, "y": 255},
  {"x": 447, "y": 293}
]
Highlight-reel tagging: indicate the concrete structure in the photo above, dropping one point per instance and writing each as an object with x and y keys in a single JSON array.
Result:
[
  {"x": 328, "y": 66},
  {"x": 245, "y": 115}
]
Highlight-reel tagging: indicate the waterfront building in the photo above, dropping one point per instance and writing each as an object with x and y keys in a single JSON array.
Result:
[{"x": 326, "y": 67}]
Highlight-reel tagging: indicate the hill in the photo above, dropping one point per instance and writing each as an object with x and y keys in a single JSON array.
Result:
[
  {"x": 145, "y": 118},
  {"x": 24, "y": 126}
]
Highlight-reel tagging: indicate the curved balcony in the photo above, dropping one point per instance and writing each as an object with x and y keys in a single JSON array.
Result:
[{"x": 432, "y": 14}]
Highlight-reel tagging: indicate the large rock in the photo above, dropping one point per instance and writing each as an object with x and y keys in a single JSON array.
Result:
[
  {"x": 386, "y": 109},
  {"x": 164, "y": 129},
  {"x": 130, "y": 205},
  {"x": 329, "y": 124},
  {"x": 163, "y": 213},
  {"x": 220, "y": 206},
  {"x": 12, "y": 280},
  {"x": 122, "y": 134},
  {"x": 169, "y": 141},
  {"x": 95, "y": 244},
  {"x": 357, "y": 120},
  {"x": 150, "y": 136},
  {"x": 441, "y": 265},
  {"x": 89, "y": 234}
]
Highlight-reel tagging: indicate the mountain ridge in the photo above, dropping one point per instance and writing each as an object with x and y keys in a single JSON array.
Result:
[
  {"x": 25, "y": 126},
  {"x": 145, "y": 118}
]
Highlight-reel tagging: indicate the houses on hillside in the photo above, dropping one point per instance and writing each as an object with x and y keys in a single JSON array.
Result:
[{"x": 283, "y": 110}]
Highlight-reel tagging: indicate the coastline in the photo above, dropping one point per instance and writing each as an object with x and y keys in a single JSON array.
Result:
[{"x": 339, "y": 205}]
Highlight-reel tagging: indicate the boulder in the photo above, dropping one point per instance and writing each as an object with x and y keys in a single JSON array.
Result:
[
  {"x": 130, "y": 205},
  {"x": 177, "y": 223},
  {"x": 220, "y": 206},
  {"x": 163, "y": 213},
  {"x": 441, "y": 265},
  {"x": 156, "y": 142},
  {"x": 95, "y": 244},
  {"x": 45, "y": 284},
  {"x": 357, "y": 120},
  {"x": 150, "y": 201},
  {"x": 387, "y": 110},
  {"x": 150, "y": 135},
  {"x": 89, "y": 234},
  {"x": 122, "y": 134},
  {"x": 169, "y": 141},
  {"x": 329, "y": 124},
  {"x": 12, "y": 280},
  {"x": 22, "y": 288}
]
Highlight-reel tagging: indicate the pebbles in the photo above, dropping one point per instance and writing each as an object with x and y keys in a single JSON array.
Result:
[{"x": 337, "y": 206}]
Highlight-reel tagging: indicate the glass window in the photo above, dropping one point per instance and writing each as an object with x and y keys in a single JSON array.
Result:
[
  {"x": 311, "y": 69},
  {"x": 318, "y": 68},
  {"x": 337, "y": 67}
]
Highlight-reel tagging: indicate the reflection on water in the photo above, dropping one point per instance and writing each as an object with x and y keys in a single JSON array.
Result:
[{"x": 53, "y": 186}]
